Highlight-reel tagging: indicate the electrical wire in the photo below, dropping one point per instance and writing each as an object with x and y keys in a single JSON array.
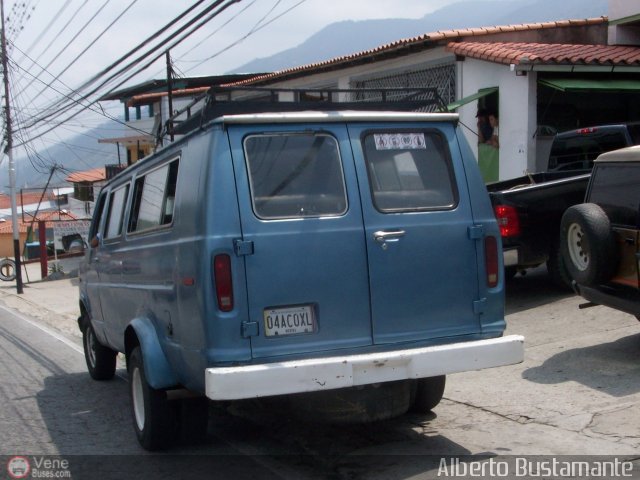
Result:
[
  {"x": 206, "y": 14},
  {"x": 64, "y": 48},
  {"x": 59, "y": 105},
  {"x": 242, "y": 39}
]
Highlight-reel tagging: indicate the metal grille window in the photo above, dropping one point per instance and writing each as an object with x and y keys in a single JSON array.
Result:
[{"x": 442, "y": 77}]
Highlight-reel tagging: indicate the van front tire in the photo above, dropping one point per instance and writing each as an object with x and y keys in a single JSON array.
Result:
[
  {"x": 154, "y": 420},
  {"x": 101, "y": 360}
]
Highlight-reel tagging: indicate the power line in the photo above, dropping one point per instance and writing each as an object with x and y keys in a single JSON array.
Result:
[
  {"x": 48, "y": 26},
  {"x": 60, "y": 103},
  {"x": 85, "y": 107},
  {"x": 62, "y": 50},
  {"x": 255, "y": 29},
  {"x": 95, "y": 40},
  {"x": 206, "y": 14},
  {"x": 61, "y": 30}
]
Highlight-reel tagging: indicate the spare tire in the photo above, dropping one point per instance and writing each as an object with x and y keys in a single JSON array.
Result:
[
  {"x": 588, "y": 244},
  {"x": 7, "y": 269}
]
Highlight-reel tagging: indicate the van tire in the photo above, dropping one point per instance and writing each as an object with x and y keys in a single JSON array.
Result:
[
  {"x": 101, "y": 360},
  {"x": 588, "y": 244},
  {"x": 7, "y": 270},
  {"x": 428, "y": 393},
  {"x": 154, "y": 419}
]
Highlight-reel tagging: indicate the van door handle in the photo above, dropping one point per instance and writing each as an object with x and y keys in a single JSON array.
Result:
[{"x": 382, "y": 236}]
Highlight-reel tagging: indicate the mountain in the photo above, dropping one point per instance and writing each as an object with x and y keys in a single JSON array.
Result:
[
  {"x": 77, "y": 153},
  {"x": 83, "y": 152},
  {"x": 347, "y": 37}
]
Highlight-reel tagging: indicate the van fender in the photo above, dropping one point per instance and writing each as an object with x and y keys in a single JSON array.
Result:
[{"x": 157, "y": 370}]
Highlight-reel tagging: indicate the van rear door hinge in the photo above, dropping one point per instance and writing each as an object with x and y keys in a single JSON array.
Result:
[
  {"x": 250, "y": 329},
  {"x": 243, "y": 247},
  {"x": 476, "y": 232},
  {"x": 479, "y": 306}
]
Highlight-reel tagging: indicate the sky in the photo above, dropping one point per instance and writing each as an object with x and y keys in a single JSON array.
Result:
[{"x": 55, "y": 46}]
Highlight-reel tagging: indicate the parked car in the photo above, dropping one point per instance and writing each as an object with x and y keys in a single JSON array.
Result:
[
  {"x": 529, "y": 208},
  {"x": 601, "y": 237},
  {"x": 277, "y": 253}
]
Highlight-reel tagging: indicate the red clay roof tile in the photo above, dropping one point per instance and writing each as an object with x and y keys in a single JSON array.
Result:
[
  {"x": 517, "y": 53},
  {"x": 423, "y": 39},
  {"x": 94, "y": 175}
]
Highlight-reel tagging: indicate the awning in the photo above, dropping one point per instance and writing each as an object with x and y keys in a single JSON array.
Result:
[
  {"x": 483, "y": 92},
  {"x": 587, "y": 85}
]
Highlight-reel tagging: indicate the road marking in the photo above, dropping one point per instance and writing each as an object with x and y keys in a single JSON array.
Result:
[
  {"x": 46, "y": 330},
  {"x": 52, "y": 333}
]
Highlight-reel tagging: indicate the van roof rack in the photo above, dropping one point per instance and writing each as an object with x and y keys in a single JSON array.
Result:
[{"x": 219, "y": 101}]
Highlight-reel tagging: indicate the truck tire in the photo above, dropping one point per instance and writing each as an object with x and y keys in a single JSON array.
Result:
[
  {"x": 428, "y": 393},
  {"x": 7, "y": 270},
  {"x": 101, "y": 360},
  {"x": 588, "y": 244},
  {"x": 557, "y": 269},
  {"x": 154, "y": 419}
]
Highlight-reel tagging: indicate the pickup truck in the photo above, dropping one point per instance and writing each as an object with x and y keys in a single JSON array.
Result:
[{"x": 529, "y": 208}]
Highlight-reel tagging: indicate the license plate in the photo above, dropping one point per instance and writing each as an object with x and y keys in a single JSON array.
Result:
[{"x": 289, "y": 321}]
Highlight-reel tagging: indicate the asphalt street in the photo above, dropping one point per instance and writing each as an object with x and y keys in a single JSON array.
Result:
[{"x": 577, "y": 393}]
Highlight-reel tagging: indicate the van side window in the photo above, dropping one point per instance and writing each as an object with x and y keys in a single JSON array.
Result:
[
  {"x": 409, "y": 171},
  {"x": 97, "y": 216},
  {"x": 153, "y": 198},
  {"x": 295, "y": 176},
  {"x": 115, "y": 212}
]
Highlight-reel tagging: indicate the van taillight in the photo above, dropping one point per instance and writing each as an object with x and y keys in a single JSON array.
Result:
[
  {"x": 491, "y": 261},
  {"x": 223, "y": 284},
  {"x": 585, "y": 131},
  {"x": 508, "y": 220}
]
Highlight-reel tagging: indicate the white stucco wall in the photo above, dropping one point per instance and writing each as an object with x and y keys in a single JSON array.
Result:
[{"x": 517, "y": 112}]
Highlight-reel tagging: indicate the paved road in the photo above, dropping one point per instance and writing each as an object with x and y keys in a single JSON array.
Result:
[{"x": 578, "y": 392}]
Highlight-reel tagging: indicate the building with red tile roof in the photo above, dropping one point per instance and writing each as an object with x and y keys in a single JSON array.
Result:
[{"x": 538, "y": 77}]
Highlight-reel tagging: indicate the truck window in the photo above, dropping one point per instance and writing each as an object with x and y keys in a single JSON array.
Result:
[
  {"x": 295, "y": 176},
  {"x": 580, "y": 150},
  {"x": 115, "y": 213},
  {"x": 153, "y": 198},
  {"x": 615, "y": 189},
  {"x": 409, "y": 171}
]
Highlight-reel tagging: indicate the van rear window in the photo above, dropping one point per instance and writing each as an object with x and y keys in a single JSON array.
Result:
[
  {"x": 295, "y": 176},
  {"x": 409, "y": 171}
]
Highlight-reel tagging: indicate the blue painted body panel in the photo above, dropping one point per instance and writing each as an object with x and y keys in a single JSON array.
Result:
[{"x": 421, "y": 289}]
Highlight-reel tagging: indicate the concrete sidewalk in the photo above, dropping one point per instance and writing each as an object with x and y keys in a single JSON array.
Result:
[{"x": 53, "y": 301}]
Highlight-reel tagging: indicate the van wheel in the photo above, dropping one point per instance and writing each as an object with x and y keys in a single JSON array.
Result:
[
  {"x": 154, "y": 420},
  {"x": 101, "y": 360},
  {"x": 588, "y": 244},
  {"x": 429, "y": 392}
]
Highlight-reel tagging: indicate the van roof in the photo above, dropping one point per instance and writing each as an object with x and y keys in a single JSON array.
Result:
[
  {"x": 337, "y": 116},
  {"x": 627, "y": 154}
]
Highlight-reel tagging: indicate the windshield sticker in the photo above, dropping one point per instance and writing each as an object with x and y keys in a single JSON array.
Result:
[{"x": 399, "y": 141}]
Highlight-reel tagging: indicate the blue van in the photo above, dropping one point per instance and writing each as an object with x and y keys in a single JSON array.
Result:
[{"x": 280, "y": 253}]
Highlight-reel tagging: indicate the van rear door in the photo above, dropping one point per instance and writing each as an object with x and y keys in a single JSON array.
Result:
[
  {"x": 302, "y": 239},
  {"x": 423, "y": 263}
]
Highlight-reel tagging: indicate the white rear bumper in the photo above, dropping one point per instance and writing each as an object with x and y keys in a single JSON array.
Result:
[{"x": 297, "y": 376}]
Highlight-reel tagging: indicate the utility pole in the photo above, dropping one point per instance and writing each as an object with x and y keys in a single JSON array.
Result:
[
  {"x": 9, "y": 152},
  {"x": 170, "y": 94}
]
